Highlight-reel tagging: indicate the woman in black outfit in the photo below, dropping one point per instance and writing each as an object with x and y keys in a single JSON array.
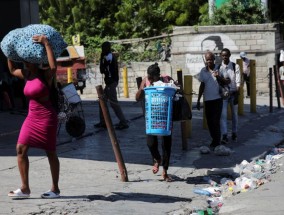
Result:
[{"x": 153, "y": 72}]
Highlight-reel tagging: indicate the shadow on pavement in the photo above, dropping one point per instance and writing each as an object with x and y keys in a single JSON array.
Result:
[{"x": 96, "y": 145}]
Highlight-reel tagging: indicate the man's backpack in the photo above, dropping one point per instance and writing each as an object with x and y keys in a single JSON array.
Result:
[{"x": 236, "y": 95}]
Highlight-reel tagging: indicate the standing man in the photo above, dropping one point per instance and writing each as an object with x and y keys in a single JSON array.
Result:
[
  {"x": 109, "y": 67},
  {"x": 232, "y": 71},
  {"x": 209, "y": 85},
  {"x": 246, "y": 71}
]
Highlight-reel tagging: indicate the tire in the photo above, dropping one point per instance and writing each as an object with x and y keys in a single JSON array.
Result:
[{"x": 75, "y": 126}]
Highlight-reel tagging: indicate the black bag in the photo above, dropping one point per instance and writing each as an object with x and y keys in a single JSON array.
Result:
[
  {"x": 224, "y": 91},
  {"x": 181, "y": 108}
]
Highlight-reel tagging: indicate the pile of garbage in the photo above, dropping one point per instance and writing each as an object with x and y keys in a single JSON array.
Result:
[{"x": 244, "y": 177}]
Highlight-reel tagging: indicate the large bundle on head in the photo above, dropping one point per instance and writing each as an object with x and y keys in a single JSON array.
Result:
[{"x": 18, "y": 45}]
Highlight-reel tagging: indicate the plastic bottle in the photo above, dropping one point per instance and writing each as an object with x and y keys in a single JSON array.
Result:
[
  {"x": 210, "y": 181},
  {"x": 202, "y": 192}
]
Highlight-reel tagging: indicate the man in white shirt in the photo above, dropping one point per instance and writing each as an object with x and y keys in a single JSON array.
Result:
[
  {"x": 232, "y": 71},
  {"x": 209, "y": 87}
]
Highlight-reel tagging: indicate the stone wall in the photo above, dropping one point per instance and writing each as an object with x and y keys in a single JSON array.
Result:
[
  {"x": 134, "y": 70},
  {"x": 262, "y": 42}
]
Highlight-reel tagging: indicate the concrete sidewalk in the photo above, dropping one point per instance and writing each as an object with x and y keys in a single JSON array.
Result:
[{"x": 90, "y": 179}]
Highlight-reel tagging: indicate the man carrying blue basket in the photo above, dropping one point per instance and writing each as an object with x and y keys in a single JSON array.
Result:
[{"x": 153, "y": 72}]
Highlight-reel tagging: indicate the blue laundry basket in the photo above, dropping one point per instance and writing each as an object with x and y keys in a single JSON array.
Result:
[{"x": 158, "y": 110}]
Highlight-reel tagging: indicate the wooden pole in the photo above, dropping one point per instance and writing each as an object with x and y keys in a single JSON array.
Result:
[
  {"x": 276, "y": 85},
  {"x": 252, "y": 81},
  {"x": 182, "y": 123},
  {"x": 69, "y": 75},
  {"x": 241, "y": 90},
  {"x": 142, "y": 102},
  {"x": 188, "y": 97},
  {"x": 280, "y": 86},
  {"x": 270, "y": 91},
  {"x": 112, "y": 135},
  {"x": 125, "y": 82}
]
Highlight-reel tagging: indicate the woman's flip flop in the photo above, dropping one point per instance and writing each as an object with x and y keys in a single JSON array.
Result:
[
  {"x": 18, "y": 194},
  {"x": 50, "y": 195},
  {"x": 156, "y": 166}
]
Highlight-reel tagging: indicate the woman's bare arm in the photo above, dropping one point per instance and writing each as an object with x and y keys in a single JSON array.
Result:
[
  {"x": 50, "y": 55},
  {"x": 19, "y": 73}
]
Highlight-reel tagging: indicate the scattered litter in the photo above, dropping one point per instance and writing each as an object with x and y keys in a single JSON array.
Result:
[
  {"x": 243, "y": 177},
  {"x": 222, "y": 151},
  {"x": 204, "y": 150}
]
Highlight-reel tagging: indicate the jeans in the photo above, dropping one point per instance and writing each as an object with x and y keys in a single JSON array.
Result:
[{"x": 234, "y": 111}]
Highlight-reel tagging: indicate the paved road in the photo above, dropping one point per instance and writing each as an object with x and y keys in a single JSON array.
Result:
[{"x": 90, "y": 179}]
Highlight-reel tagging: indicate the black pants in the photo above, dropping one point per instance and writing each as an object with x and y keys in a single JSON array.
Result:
[
  {"x": 213, "y": 111},
  {"x": 246, "y": 79},
  {"x": 152, "y": 142}
]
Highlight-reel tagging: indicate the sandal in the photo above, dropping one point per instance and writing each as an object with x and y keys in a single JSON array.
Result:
[
  {"x": 167, "y": 178},
  {"x": 18, "y": 194},
  {"x": 50, "y": 195},
  {"x": 156, "y": 166}
]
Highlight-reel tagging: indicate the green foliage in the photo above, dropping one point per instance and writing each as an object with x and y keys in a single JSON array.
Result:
[
  {"x": 97, "y": 21},
  {"x": 234, "y": 12}
]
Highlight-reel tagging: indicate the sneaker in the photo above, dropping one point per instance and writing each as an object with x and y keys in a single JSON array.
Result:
[
  {"x": 234, "y": 137},
  {"x": 224, "y": 140},
  {"x": 121, "y": 126},
  {"x": 100, "y": 125}
]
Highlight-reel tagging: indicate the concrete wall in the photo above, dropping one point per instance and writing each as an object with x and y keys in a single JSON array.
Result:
[
  {"x": 134, "y": 70},
  {"x": 262, "y": 42}
]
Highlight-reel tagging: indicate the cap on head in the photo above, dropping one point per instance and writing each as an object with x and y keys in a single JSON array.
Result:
[{"x": 243, "y": 54}]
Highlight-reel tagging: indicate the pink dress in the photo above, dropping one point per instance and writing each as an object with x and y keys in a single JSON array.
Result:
[{"x": 40, "y": 127}]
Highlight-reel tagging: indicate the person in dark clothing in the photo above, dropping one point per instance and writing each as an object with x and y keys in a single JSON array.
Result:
[
  {"x": 109, "y": 67},
  {"x": 6, "y": 96},
  {"x": 153, "y": 72},
  {"x": 246, "y": 71}
]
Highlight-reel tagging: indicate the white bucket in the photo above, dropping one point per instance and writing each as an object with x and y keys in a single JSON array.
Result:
[{"x": 71, "y": 94}]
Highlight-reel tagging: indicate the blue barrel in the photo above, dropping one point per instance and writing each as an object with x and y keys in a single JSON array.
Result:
[{"x": 158, "y": 110}]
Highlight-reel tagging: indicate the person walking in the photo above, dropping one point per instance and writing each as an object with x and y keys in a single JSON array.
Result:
[
  {"x": 109, "y": 67},
  {"x": 209, "y": 79},
  {"x": 40, "y": 126},
  {"x": 6, "y": 95},
  {"x": 232, "y": 71},
  {"x": 246, "y": 71},
  {"x": 153, "y": 75}
]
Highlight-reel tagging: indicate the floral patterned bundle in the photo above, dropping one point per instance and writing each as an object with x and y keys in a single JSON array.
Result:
[{"x": 18, "y": 45}]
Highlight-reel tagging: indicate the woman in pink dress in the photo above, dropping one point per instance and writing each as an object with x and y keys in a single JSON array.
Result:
[{"x": 40, "y": 126}]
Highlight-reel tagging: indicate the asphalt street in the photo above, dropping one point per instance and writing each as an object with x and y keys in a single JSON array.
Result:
[{"x": 90, "y": 180}]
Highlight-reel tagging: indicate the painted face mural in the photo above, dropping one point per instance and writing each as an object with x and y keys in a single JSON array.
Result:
[{"x": 208, "y": 42}]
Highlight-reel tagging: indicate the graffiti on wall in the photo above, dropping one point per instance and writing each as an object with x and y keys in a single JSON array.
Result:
[{"x": 202, "y": 43}]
